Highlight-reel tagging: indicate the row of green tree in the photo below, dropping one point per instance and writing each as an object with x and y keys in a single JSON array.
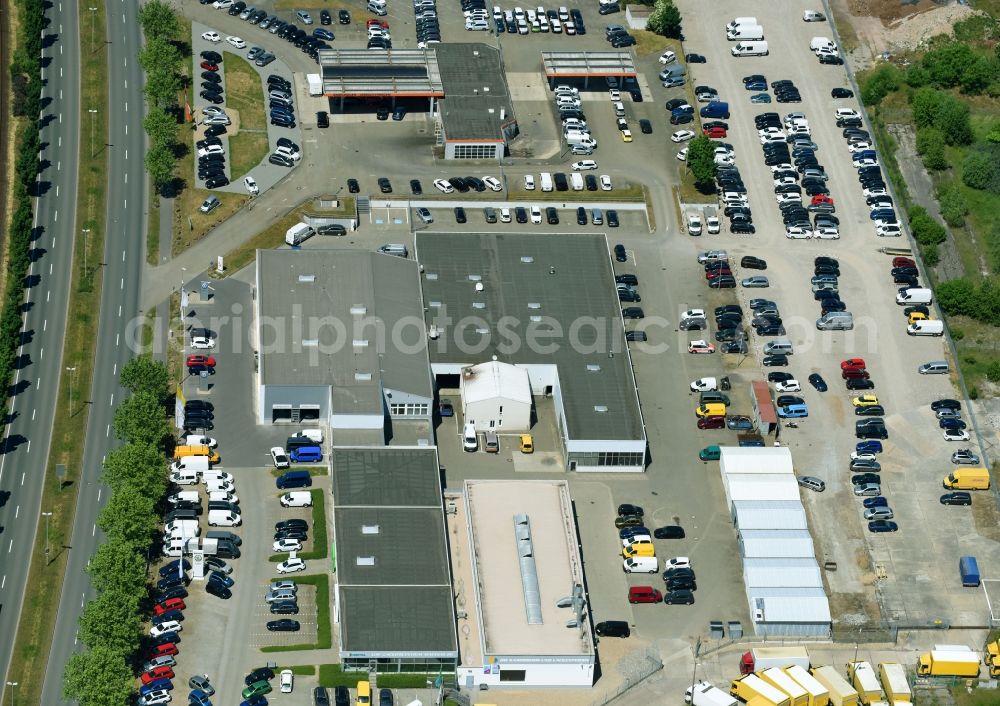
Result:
[
  {"x": 162, "y": 61},
  {"x": 26, "y": 80},
  {"x": 963, "y": 297},
  {"x": 111, "y": 623}
]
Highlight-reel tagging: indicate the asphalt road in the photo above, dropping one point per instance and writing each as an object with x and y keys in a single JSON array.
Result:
[
  {"x": 29, "y": 421},
  {"x": 122, "y": 262}
]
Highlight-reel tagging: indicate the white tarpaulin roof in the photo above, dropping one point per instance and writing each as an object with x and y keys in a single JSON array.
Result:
[
  {"x": 495, "y": 379},
  {"x": 791, "y": 605},
  {"x": 774, "y": 572},
  {"x": 763, "y": 544},
  {"x": 769, "y": 514},
  {"x": 755, "y": 459}
]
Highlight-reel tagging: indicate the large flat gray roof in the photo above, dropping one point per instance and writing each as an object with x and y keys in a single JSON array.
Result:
[
  {"x": 317, "y": 306},
  {"x": 379, "y": 72},
  {"x": 388, "y": 511},
  {"x": 577, "y": 295},
  {"x": 476, "y": 101}
]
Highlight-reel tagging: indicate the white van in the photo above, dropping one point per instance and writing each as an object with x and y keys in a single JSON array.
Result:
[
  {"x": 750, "y": 48},
  {"x": 745, "y": 32},
  {"x": 546, "y": 181},
  {"x": 835, "y": 321},
  {"x": 184, "y": 496},
  {"x": 780, "y": 346},
  {"x": 198, "y": 464},
  {"x": 576, "y": 181},
  {"x": 223, "y": 518},
  {"x": 926, "y": 327},
  {"x": 182, "y": 528},
  {"x": 914, "y": 295},
  {"x": 184, "y": 477},
  {"x": 298, "y": 233},
  {"x": 822, "y": 44},
  {"x": 217, "y": 485},
  {"x": 297, "y": 498},
  {"x": 397, "y": 249},
  {"x": 208, "y": 476},
  {"x": 741, "y": 21},
  {"x": 313, "y": 434},
  {"x": 813, "y": 16},
  {"x": 470, "y": 441},
  {"x": 640, "y": 565}
]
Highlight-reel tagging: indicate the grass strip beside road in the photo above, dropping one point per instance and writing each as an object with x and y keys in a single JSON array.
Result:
[
  {"x": 244, "y": 95},
  {"x": 153, "y": 228},
  {"x": 44, "y": 586},
  {"x": 323, "y": 632}
]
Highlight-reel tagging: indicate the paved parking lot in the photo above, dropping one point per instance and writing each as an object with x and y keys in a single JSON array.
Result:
[{"x": 916, "y": 456}]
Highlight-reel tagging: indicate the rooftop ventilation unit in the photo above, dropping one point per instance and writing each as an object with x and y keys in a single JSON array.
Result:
[
  {"x": 365, "y": 561},
  {"x": 369, "y": 529},
  {"x": 432, "y": 276},
  {"x": 529, "y": 571},
  {"x": 307, "y": 278},
  {"x": 600, "y": 408},
  {"x": 359, "y": 310}
]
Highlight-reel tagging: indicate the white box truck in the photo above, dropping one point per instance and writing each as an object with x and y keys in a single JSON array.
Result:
[
  {"x": 315, "y": 84},
  {"x": 705, "y": 694},
  {"x": 182, "y": 528}
]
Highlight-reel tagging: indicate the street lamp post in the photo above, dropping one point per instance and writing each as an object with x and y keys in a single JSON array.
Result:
[
  {"x": 93, "y": 14},
  {"x": 13, "y": 687},
  {"x": 72, "y": 384},
  {"x": 86, "y": 249},
  {"x": 93, "y": 119},
  {"x": 46, "y": 515}
]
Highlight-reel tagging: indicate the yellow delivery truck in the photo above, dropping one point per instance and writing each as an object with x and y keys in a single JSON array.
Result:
[
  {"x": 968, "y": 479},
  {"x": 862, "y": 677},
  {"x": 819, "y": 695},
  {"x": 895, "y": 683},
  {"x": 841, "y": 692},
  {"x": 797, "y": 696},
  {"x": 750, "y": 686},
  {"x": 949, "y": 661}
]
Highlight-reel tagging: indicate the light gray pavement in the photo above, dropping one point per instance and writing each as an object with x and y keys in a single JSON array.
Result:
[
  {"x": 265, "y": 174},
  {"x": 918, "y": 560}
]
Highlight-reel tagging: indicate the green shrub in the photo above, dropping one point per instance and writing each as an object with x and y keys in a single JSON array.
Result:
[
  {"x": 953, "y": 205},
  {"x": 930, "y": 146},
  {"x": 957, "y": 333},
  {"x": 331, "y": 675},
  {"x": 973, "y": 393},
  {"x": 930, "y": 254},
  {"x": 993, "y": 371}
]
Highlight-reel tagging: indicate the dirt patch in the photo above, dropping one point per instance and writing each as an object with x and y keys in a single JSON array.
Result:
[
  {"x": 891, "y": 26},
  {"x": 986, "y": 516},
  {"x": 853, "y": 608}
]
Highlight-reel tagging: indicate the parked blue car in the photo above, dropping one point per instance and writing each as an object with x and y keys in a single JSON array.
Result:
[
  {"x": 793, "y": 411},
  {"x": 878, "y": 501},
  {"x": 872, "y": 446},
  {"x": 155, "y": 685},
  {"x": 198, "y": 698},
  {"x": 306, "y": 454}
]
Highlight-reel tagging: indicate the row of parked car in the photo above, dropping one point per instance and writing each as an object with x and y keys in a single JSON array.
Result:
[
  {"x": 428, "y": 28},
  {"x": 521, "y": 21},
  {"x": 310, "y": 43},
  {"x": 639, "y": 556},
  {"x": 576, "y": 133}
]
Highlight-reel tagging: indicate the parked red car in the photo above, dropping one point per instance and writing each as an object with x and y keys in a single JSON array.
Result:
[
  {"x": 205, "y": 360},
  {"x": 169, "y": 604},
  {"x": 157, "y": 673},
  {"x": 853, "y": 364},
  {"x": 162, "y": 651},
  {"x": 717, "y": 422},
  {"x": 378, "y": 23},
  {"x": 821, "y": 198},
  {"x": 209, "y": 66},
  {"x": 903, "y": 262},
  {"x": 644, "y": 594},
  {"x": 855, "y": 373},
  {"x": 720, "y": 272},
  {"x": 715, "y": 132}
]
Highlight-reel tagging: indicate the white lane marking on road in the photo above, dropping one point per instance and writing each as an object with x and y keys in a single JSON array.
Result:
[
  {"x": 10, "y": 546},
  {"x": 126, "y": 106},
  {"x": 41, "y": 354},
  {"x": 107, "y": 432},
  {"x": 123, "y": 284},
  {"x": 57, "y": 190},
  {"x": 60, "y": 117},
  {"x": 50, "y": 268},
  {"x": 23, "y": 474},
  {"x": 26, "y": 450},
  {"x": 123, "y": 256},
  {"x": 58, "y": 166},
  {"x": 60, "y": 141},
  {"x": 112, "y": 399},
  {"x": 33, "y": 414},
  {"x": 119, "y": 310},
  {"x": 38, "y": 383},
  {"x": 83, "y": 599},
  {"x": 47, "y": 293},
  {"x": 93, "y": 532},
  {"x": 60, "y": 94},
  {"x": 126, "y": 128},
  {"x": 114, "y": 372},
  {"x": 99, "y": 494},
  {"x": 55, "y": 216},
  {"x": 17, "y": 511},
  {"x": 117, "y": 336},
  {"x": 60, "y": 72},
  {"x": 4, "y": 582},
  {"x": 53, "y": 241},
  {"x": 45, "y": 324},
  {"x": 123, "y": 18},
  {"x": 126, "y": 177}
]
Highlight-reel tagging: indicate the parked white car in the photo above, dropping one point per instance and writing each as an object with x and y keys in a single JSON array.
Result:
[
  {"x": 251, "y": 185},
  {"x": 236, "y": 42},
  {"x": 605, "y": 182},
  {"x": 202, "y": 343},
  {"x": 211, "y": 36},
  {"x": 443, "y": 186},
  {"x": 584, "y": 165},
  {"x": 529, "y": 182},
  {"x": 682, "y": 136},
  {"x": 493, "y": 183},
  {"x": 287, "y": 545},
  {"x": 291, "y": 566},
  {"x": 788, "y": 386},
  {"x": 169, "y": 626}
]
